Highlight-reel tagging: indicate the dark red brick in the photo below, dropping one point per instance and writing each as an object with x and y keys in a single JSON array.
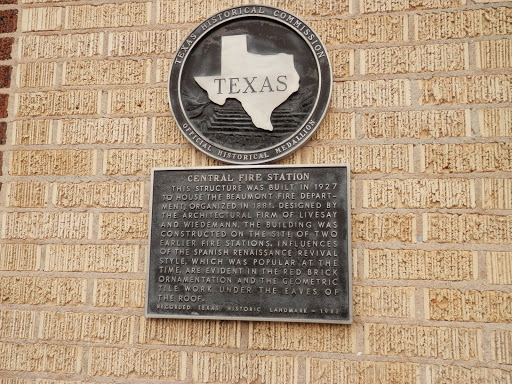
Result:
[
  {"x": 3, "y": 132},
  {"x": 8, "y": 20},
  {"x": 5, "y": 76},
  {"x": 8, "y": 1},
  {"x": 6, "y": 48},
  {"x": 4, "y": 103}
]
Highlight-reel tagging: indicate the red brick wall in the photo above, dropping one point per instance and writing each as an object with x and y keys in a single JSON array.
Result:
[{"x": 8, "y": 25}]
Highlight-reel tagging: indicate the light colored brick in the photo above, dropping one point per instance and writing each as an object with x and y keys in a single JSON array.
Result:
[
  {"x": 41, "y": 19},
  {"x": 58, "y": 162},
  {"x": 337, "y": 371},
  {"x": 123, "y": 226},
  {"x": 419, "y": 193},
  {"x": 42, "y": 290},
  {"x": 40, "y": 1},
  {"x": 439, "y": 374},
  {"x": 116, "y": 258},
  {"x": 111, "y": 72},
  {"x": 415, "y": 58},
  {"x": 307, "y": 8},
  {"x": 137, "y": 363},
  {"x": 417, "y": 341},
  {"x": 371, "y": 6},
  {"x": 301, "y": 337},
  {"x": 129, "y": 194},
  {"x": 163, "y": 67},
  {"x": 36, "y": 75},
  {"x": 47, "y": 225},
  {"x": 371, "y": 94},
  {"x": 40, "y": 358},
  {"x": 140, "y": 161},
  {"x": 17, "y": 324},
  {"x": 104, "y": 130},
  {"x": 397, "y": 302},
  {"x": 374, "y": 29},
  {"x": 492, "y": 54},
  {"x": 466, "y": 90},
  {"x": 469, "y": 305},
  {"x": 209, "y": 367},
  {"x": 26, "y": 194},
  {"x": 87, "y": 327},
  {"x": 336, "y": 126},
  {"x": 501, "y": 345},
  {"x": 107, "y": 15},
  {"x": 342, "y": 62},
  {"x": 20, "y": 257},
  {"x": 497, "y": 194},
  {"x": 463, "y": 24},
  {"x": 143, "y": 43},
  {"x": 45, "y": 381},
  {"x": 396, "y": 158},
  {"x": 495, "y": 122},
  {"x": 57, "y": 46},
  {"x": 119, "y": 293},
  {"x": 182, "y": 11},
  {"x": 31, "y": 132},
  {"x": 293, "y": 158},
  {"x": 13, "y": 381},
  {"x": 143, "y": 100},
  {"x": 166, "y": 131},
  {"x": 499, "y": 267},
  {"x": 201, "y": 159},
  {"x": 58, "y": 103},
  {"x": 465, "y": 158},
  {"x": 405, "y": 264},
  {"x": 384, "y": 227},
  {"x": 204, "y": 333},
  {"x": 467, "y": 228},
  {"x": 417, "y": 124}
]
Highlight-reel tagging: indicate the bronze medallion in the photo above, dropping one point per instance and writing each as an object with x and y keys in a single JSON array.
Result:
[{"x": 250, "y": 84}]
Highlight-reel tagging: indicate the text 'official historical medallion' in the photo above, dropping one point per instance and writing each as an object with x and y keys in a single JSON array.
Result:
[{"x": 250, "y": 84}]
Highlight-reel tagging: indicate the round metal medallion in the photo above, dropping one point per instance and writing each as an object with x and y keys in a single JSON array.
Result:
[{"x": 250, "y": 84}]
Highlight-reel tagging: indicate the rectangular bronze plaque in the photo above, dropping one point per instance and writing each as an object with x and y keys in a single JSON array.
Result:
[{"x": 250, "y": 243}]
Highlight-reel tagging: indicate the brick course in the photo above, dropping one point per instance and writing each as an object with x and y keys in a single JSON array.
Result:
[
  {"x": 206, "y": 333},
  {"x": 3, "y": 132},
  {"x": 6, "y": 48},
  {"x": 8, "y": 20},
  {"x": 327, "y": 371},
  {"x": 140, "y": 363},
  {"x": 4, "y": 104},
  {"x": 5, "y": 76},
  {"x": 437, "y": 374},
  {"x": 291, "y": 337},
  {"x": 19, "y": 257},
  {"x": 419, "y": 341},
  {"x": 40, "y": 358},
  {"x": 92, "y": 258},
  {"x": 79, "y": 45},
  {"x": 463, "y": 24}
]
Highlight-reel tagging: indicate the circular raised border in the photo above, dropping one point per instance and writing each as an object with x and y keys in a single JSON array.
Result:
[{"x": 289, "y": 144}]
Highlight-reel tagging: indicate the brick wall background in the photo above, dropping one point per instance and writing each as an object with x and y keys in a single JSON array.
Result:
[{"x": 421, "y": 109}]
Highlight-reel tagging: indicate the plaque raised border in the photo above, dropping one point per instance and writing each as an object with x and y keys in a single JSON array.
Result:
[{"x": 259, "y": 243}]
